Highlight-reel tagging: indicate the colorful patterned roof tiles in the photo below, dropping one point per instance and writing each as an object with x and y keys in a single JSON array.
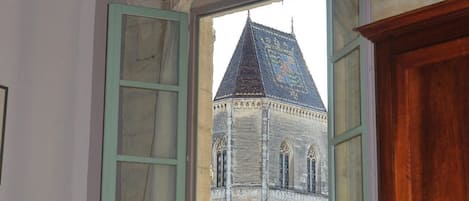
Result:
[{"x": 269, "y": 63}]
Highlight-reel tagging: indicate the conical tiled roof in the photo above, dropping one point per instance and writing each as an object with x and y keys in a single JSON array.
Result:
[{"x": 269, "y": 63}]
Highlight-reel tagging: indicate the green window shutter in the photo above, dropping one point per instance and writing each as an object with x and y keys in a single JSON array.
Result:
[
  {"x": 144, "y": 155},
  {"x": 348, "y": 54}
]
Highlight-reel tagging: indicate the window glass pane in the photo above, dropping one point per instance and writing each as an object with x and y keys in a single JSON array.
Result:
[
  {"x": 308, "y": 171},
  {"x": 147, "y": 123},
  {"x": 149, "y": 50},
  {"x": 219, "y": 169},
  {"x": 281, "y": 170},
  {"x": 313, "y": 176},
  {"x": 348, "y": 170},
  {"x": 286, "y": 173},
  {"x": 347, "y": 93},
  {"x": 345, "y": 18},
  {"x": 224, "y": 168},
  {"x": 138, "y": 181}
]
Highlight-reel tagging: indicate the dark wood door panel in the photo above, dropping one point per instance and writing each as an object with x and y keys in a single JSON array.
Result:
[
  {"x": 436, "y": 126},
  {"x": 432, "y": 123}
]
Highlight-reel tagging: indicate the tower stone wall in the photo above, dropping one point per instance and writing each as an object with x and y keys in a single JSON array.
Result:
[
  {"x": 290, "y": 124},
  {"x": 300, "y": 127}
]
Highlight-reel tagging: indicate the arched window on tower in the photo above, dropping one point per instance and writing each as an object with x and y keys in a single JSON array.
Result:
[
  {"x": 311, "y": 162},
  {"x": 284, "y": 165},
  {"x": 221, "y": 164}
]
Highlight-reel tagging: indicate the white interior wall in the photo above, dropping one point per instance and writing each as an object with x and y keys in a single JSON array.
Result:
[{"x": 46, "y": 50}]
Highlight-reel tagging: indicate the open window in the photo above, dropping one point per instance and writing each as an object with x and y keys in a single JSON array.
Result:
[
  {"x": 148, "y": 81},
  {"x": 144, "y": 155},
  {"x": 350, "y": 101}
]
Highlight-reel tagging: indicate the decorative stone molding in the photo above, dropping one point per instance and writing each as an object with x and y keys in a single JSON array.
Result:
[
  {"x": 220, "y": 144},
  {"x": 285, "y": 195},
  {"x": 256, "y": 103},
  {"x": 218, "y": 194}
]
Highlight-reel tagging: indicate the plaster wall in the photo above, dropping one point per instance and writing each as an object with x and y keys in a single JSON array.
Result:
[
  {"x": 46, "y": 57},
  {"x": 385, "y": 8},
  {"x": 198, "y": 3},
  {"x": 380, "y": 8},
  {"x": 204, "y": 116}
]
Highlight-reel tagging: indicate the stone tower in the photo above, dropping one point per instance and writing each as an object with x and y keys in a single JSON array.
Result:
[{"x": 270, "y": 125}]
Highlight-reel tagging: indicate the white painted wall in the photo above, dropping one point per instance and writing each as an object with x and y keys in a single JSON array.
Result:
[{"x": 46, "y": 52}]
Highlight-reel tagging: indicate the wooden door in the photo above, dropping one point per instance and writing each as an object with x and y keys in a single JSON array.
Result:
[
  {"x": 432, "y": 155},
  {"x": 422, "y": 103}
]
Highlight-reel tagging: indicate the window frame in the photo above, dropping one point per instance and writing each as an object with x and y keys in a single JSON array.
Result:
[
  {"x": 113, "y": 83},
  {"x": 367, "y": 80},
  {"x": 367, "y": 129}
]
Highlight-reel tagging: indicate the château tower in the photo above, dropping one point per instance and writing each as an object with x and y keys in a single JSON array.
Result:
[{"x": 270, "y": 125}]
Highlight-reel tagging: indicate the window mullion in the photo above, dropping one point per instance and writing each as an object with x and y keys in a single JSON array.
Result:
[
  {"x": 151, "y": 86},
  {"x": 148, "y": 160},
  {"x": 347, "y": 135},
  {"x": 150, "y": 12},
  {"x": 347, "y": 49}
]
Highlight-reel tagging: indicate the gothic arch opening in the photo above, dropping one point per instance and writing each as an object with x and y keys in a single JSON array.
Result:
[
  {"x": 312, "y": 160},
  {"x": 285, "y": 162}
]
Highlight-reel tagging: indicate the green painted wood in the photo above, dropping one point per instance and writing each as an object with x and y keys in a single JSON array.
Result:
[
  {"x": 111, "y": 104},
  {"x": 154, "y": 161},
  {"x": 147, "y": 85},
  {"x": 339, "y": 54},
  {"x": 151, "y": 12},
  {"x": 330, "y": 93},
  {"x": 182, "y": 106},
  {"x": 347, "y": 135},
  {"x": 334, "y": 56},
  {"x": 364, "y": 113},
  {"x": 113, "y": 83},
  {"x": 364, "y": 11}
]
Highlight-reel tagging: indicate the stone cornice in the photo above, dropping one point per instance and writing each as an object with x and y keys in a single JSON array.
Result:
[{"x": 275, "y": 105}]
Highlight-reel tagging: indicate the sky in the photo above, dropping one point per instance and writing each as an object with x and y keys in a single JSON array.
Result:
[{"x": 309, "y": 24}]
